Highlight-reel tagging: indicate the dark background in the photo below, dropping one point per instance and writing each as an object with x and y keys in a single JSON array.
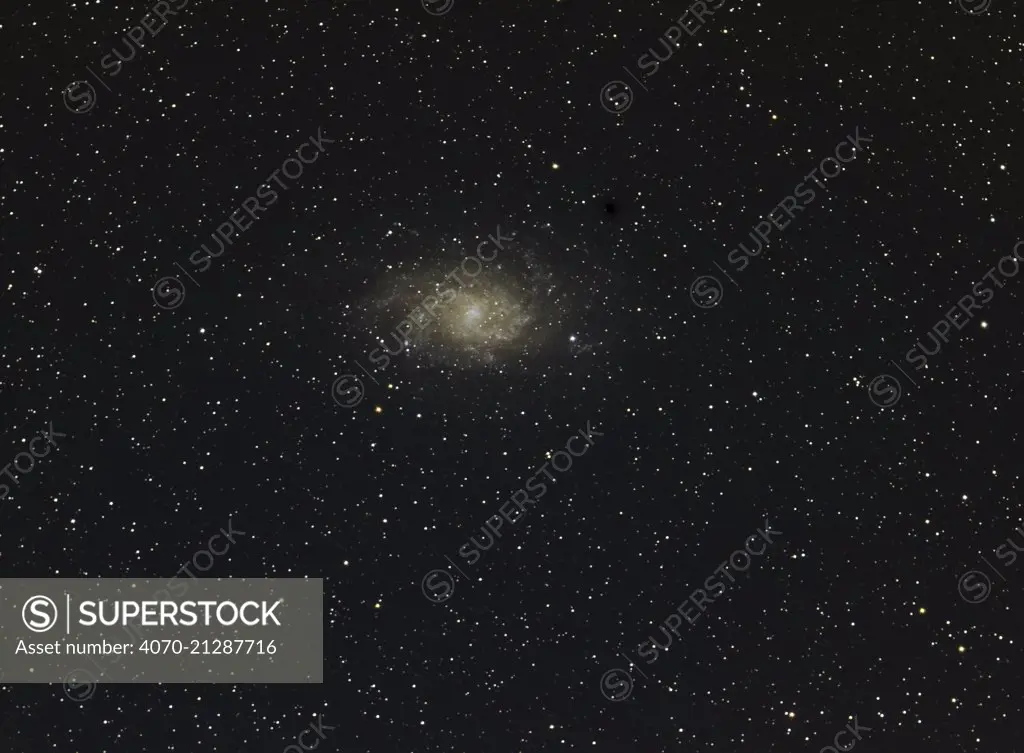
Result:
[{"x": 178, "y": 420}]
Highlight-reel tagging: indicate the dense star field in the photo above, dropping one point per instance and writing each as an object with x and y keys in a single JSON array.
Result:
[{"x": 638, "y": 377}]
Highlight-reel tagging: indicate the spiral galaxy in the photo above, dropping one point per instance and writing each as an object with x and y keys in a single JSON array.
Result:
[{"x": 481, "y": 310}]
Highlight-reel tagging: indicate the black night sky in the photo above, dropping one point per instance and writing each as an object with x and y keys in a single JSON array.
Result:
[{"x": 453, "y": 236}]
